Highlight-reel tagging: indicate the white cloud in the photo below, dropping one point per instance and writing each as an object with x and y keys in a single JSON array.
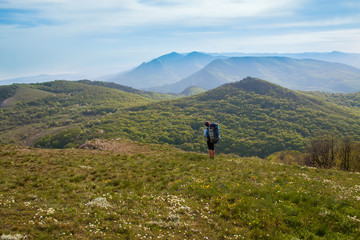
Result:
[
  {"x": 333, "y": 22},
  {"x": 130, "y": 13},
  {"x": 66, "y": 34},
  {"x": 320, "y": 41}
]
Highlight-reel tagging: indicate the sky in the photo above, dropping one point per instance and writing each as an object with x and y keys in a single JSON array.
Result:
[{"x": 109, "y": 36}]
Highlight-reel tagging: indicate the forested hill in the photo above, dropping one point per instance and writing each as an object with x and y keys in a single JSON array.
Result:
[
  {"x": 147, "y": 94},
  {"x": 256, "y": 118},
  {"x": 349, "y": 100},
  {"x": 30, "y": 111}
]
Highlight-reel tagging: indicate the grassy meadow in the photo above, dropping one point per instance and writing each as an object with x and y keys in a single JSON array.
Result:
[{"x": 119, "y": 189}]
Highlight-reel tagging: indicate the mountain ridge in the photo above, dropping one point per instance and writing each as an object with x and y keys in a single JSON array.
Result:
[
  {"x": 352, "y": 59},
  {"x": 165, "y": 69},
  {"x": 296, "y": 74}
]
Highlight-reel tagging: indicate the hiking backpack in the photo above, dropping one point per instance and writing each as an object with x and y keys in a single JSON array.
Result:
[{"x": 214, "y": 133}]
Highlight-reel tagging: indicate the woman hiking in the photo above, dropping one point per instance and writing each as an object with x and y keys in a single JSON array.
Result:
[{"x": 212, "y": 133}]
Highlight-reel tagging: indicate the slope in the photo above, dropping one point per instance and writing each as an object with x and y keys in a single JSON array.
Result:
[
  {"x": 23, "y": 94},
  {"x": 146, "y": 94},
  {"x": 297, "y": 74},
  {"x": 256, "y": 118},
  {"x": 158, "y": 192},
  {"x": 62, "y": 105},
  {"x": 352, "y": 59},
  {"x": 192, "y": 91},
  {"x": 349, "y": 100},
  {"x": 166, "y": 69}
]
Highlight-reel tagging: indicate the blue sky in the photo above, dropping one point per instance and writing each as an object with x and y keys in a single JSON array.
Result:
[{"x": 109, "y": 36}]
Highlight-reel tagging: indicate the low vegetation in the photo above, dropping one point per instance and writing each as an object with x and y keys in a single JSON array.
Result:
[
  {"x": 126, "y": 190},
  {"x": 324, "y": 152}
]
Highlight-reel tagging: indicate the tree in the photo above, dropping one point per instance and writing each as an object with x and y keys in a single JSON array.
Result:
[
  {"x": 356, "y": 158},
  {"x": 346, "y": 153},
  {"x": 321, "y": 152}
]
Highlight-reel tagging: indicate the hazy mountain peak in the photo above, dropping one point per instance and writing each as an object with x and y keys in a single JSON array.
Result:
[
  {"x": 195, "y": 54},
  {"x": 153, "y": 62},
  {"x": 170, "y": 57},
  {"x": 336, "y": 52},
  {"x": 166, "y": 69}
]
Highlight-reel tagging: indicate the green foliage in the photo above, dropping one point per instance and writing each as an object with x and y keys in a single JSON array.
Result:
[
  {"x": 256, "y": 118},
  {"x": 7, "y": 91},
  {"x": 348, "y": 100},
  {"x": 22, "y": 95},
  {"x": 147, "y": 94},
  {"x": 46, "y": 108},
  {"x": 63, "y": 139},
  {"x": 192, "y": 91}
]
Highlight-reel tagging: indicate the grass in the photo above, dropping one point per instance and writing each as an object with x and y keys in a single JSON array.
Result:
[
  {"x": 25, "y": 94},
  {"x": 128, "y": 190}
]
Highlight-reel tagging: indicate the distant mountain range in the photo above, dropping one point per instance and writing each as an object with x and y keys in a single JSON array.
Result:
[
  {"x": 297, "y": 74},
  {"x": 298, "y": 71},
  {"x": 175, "y": 72},
  {"x": 352, "y": 59},
  {"x": 42, "y": 78},
  {"x": 166, "y": 69}
]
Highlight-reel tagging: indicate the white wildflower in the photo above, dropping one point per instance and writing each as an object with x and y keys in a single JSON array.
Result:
[
  {"x": 354, "y": 218},
  {"x": 174, "y": 217},
  {"x": 85, "y": 167},
  {"x": 100, "y": 202},
  {"x": 11, "y": 237},
  {"x": 50, "y": 211}
]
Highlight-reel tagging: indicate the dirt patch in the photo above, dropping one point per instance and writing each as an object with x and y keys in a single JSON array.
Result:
[
  {"x": 4, "y": 103},
  {"x": 117, "y": 146}
]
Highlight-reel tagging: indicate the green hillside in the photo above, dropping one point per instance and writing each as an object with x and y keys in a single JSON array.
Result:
[
  {"x": 35, "y": 110},
  {"x": 256, "y": 118},
  {"x": 23, "y": 94},
  {"x": 146, "y": 94},
  {"x": 348, "y": 100},
  {"x": 6, "y": 92},
  {"x": 192, "y": 91},
  {"x": 127, "y": 190}
]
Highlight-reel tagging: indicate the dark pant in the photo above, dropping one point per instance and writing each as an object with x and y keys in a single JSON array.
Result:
[{"x": 211, "y": 145}]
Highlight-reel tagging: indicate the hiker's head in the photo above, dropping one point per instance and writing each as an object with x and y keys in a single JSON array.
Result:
[{"x": 207, "y": 123}]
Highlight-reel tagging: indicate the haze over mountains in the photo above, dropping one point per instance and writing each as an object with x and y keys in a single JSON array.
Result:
[
  {"x": 175, "y": 72},
  {"x": 42, "y": 78},
  {"x": 352, "y": 59},
  {"x": 166, "y": 69},
  {"x": 296, "y": 74}
]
